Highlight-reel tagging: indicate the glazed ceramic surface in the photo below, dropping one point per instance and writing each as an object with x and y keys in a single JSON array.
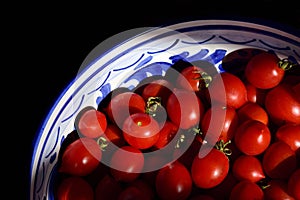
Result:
[{"x": 148, "y": 53}]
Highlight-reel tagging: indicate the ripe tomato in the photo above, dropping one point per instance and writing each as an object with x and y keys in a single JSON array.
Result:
[
  {"x": 124, "y": 104},
  {"x": 144, "y": 187},
  {"x": 246, "y": 190},
  {"x": 254, "y": 111},
  {"x": 90, "y": 122},
  {"x": 252, "y": 137},
  {"x": 290, "y": 134},
  {"x": 184, "y": 108},
  {"x": 254, "y": 94},
  {"x": 279, "y": 160},
  {"x": 140, "y": 130},
  {"x": 211, "y": 170},
  {"x": 75, "y": 188},
  {"x": 166, "y": 134},
  {"x": 277, "y": 190},
  {"x": 107, "y": 188},
  {"x": 113, "y": 134},
  {"x": 173, "y": 182},
  {"x": 263, "y": 70},
  {"x": 246, "y": 167},
  {"x": 81, "y": 157},
  {"x": 228, "y": 89},
  {"x": 126, "y": 163},
  {"x": 133, "y": 193},
  {"x": 219, "y": 123},
  {"x": 282, "y": 105},
  {"x": 294, "y": 184},
  {"x": 193, "y": 78}
]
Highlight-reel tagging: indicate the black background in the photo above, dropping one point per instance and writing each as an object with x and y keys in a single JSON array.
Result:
[{"x": 49, "y": 42}]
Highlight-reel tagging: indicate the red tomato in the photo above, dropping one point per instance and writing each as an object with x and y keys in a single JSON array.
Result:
[
  {"x": 201, "y": 197},
  {"x": 282, "y": 105},
  {"x": 132, "y": 193},
  {"x": 173, "y": 182},
  {"x": 219, "y": 123},
  {"x": 81, "y": 157},
  {"x": 210, "y": 170},
  {"x": 254, "y": 111},
  {"x": 91, "y": 122},
  {"x": 252, "y": 137},
  {"x": 228, "y": 89},
  {"x": 74, "y": 188},
  {"x": 294, "y": 184},
  {"x": 107, "y": 188},
  {"x": 290, "y": 134},
  {"x": 279, "y": 160},
  {"x": 114, "y": 135},
  {"x": 254, "y": 94},
  {"x": 277, "y": 190},
  {"x": 144, "y": 187},
  {"x": 193, "y": 78},
  {"x": 247, "y": 167},
  {"x": 126, "y": 163},
  {"x": 166, "y": 134},
  {"x": 263, "y": 70},
  {"x": 184, "y": 108},
  {"x": 246, "y": 190},
  {"x": 140, "y": 130},
  {"x": 124, "y": 104}
]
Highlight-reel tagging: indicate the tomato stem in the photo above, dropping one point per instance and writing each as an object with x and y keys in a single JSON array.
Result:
[
  {"x": 152, "y": 105},
  {"x": 179, "y": 141},
  {"x": 286, "y": 64},
  {"x": 220, "y": 145},
  {"x": 204, "y": 78},
  {"x": 102, "y": 143}
]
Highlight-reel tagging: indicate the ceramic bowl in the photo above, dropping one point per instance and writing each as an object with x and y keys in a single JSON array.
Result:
[{"x": 149, "y": 52}]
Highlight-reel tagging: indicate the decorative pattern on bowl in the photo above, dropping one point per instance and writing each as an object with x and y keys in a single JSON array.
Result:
[{"x": 149, "y": 53}]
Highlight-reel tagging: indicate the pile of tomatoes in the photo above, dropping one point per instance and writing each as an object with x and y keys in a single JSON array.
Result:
[{"x": 193, "y": 133}]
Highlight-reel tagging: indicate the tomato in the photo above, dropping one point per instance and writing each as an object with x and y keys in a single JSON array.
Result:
[
  {"x": 113, "y": 134},
  {"x": 132, "y": 193},
  {"x": 246, "y": 190},
  {"x": 210, "y": 170},
  {"x": 254, "y": 111},
  {"x": 124, "y": 104},
  {"x": 201, "y": 197},
  {"x": 294, "y": 184},
  {"x": 126, "y": 163},
  {"x": 279, "y": 160},
  {"x": 228, "y": 89},
  {"x": 90, "y": 122},
  {"x": 247, "y": 167},
  {"x": 74, "y": 188},
  {"x": 144, "y": 188},
  {"x": 107, "y": 188},
  {"x": 184, "y": 108},
  {"x": 290, "y": 134},
  {"x": 173, "y": 182},
  {"x": 219, "y": 123},
  {"x": 252, "y": 137},
  {"x": 263, "y": 70},
  {"x": 277, "y": 189},
  {"x": 254, "y": 94},
  {"x": 193, "y": 78},
  {"x": 282, "y": 105},
  {"x": 81, "y": 157},
  {"x": 167, "y": 132},
  {"x": 140, "y": 130}
]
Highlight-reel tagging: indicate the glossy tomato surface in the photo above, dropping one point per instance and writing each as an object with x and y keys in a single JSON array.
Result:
[
  {"x": 294, "y": 184},
  {"x": 246, "y": 190},
  {"x": 290, "y": 134}
]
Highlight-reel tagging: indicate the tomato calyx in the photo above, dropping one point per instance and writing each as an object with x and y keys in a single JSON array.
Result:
[
  {"x": 286, "y": 64},
  {"x": 153, "y": 104},
  {"x": 204, "y": 79},
  {"x": 221, "y": 146},
  {"x": 103, "y": 143}
]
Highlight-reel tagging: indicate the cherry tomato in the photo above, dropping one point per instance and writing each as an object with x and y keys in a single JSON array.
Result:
[
  {"x": 246, "y": 190},
  {"x": 282, "y": 105},
  {"x": 254, "y": 111},
  {"x": 166, "y": 134},
  {"x": 124, "y": 104},
  {"x": 219, "y": 122},
  {"x": 263, "y": 70},
  {"x": 290, "y": 134},
  {"x": 252, "y": 137},
  {"x": 193, "y": 78},
  {"x": 114, "y": 135},
  {"x": 144, "y": 188},
  {"x": 140, "y": 130},
  {"x": 91, "y": 122},
  {"x": 279, "y": 160},
  {"x": 81, "y": 157},
  {"x": 132, "y": 193},
  {"x": 254, "y": 94},
  {"x": 247, "y": 167},
  {"x": 277, "y": 189},
  {"x": 294, "y": 184},
  {"x": 210, "y": 170},
  {"x": 74, "y": 188},
  {"x": 107, "y": 188},
  {"x": 126, "y": 163},
  {"x": 173, "y": 182},
  {"x": 228, "y": 89},
  {"x": 184, "y": 108}
]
